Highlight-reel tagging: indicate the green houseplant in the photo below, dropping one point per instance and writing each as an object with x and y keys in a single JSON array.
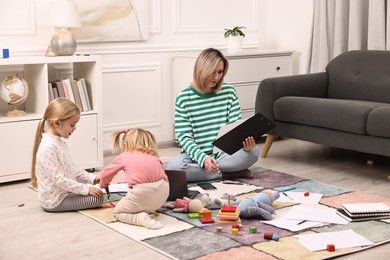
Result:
[
  {"x": 235, "y": 37},
  {"x": 235, "y": 31}
]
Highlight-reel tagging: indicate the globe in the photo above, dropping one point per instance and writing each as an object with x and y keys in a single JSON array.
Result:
[{"x": 14, "y": 91}]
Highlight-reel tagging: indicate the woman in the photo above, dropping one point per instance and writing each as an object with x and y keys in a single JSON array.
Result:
[{"x": 200, "y": 111}]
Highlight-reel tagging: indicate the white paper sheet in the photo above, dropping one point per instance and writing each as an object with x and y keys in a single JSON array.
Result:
[
  {"x": 299, "y": 197},
  {"x": 340, "y": 239},
  {"x": 318, "y": 213}
]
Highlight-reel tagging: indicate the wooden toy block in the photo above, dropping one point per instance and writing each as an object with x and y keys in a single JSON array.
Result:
[
  {"x": 193, "y": 215},
  {"x": 219, "y": 229},
  {"x": 252, "y": 230},
  {"x": 236, "y": 226},
  {"x": 205, "y": 213},
  {"x": 206, "y": 220},
  {"x": 330, "y": 248},
  {"x": 235, "y": 231},
  {"x": 228, "y": 209}
]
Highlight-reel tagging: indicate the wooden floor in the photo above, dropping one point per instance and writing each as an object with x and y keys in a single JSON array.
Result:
[{"x": 26, "y": 232}]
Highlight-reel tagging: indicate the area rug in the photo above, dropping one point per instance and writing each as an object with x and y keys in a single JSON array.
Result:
[{"x": 184, "y": 238}]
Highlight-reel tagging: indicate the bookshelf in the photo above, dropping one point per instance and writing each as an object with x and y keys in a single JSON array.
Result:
[{"x": 17, "y": 133}]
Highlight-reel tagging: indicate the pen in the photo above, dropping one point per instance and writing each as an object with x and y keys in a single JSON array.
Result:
[
  {"x": 108, "y": 192},
  {"x": 301, "y": 222},
  {"x": 285, "y": 194},
  {"x": 287, "y": 189}
]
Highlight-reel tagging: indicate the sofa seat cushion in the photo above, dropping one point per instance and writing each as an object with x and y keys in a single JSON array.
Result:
[
  {"x": 378, "y": 122},
  {"x": 338, "y": 114}
]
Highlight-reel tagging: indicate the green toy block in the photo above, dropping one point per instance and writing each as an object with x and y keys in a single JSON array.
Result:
[{"x": 194, "y": 215}]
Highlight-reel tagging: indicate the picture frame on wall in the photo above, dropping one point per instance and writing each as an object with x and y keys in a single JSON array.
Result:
[{"x": 112, "y": 21}]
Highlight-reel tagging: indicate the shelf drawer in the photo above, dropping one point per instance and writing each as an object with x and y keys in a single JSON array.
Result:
[
  {"x": 17, "y": 141},
  {"x": 258, "y": 68},
  {"x": 247, "y": 95}
]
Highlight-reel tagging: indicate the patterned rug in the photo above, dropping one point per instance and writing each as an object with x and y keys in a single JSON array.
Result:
[{"x": 184, "y": 238}]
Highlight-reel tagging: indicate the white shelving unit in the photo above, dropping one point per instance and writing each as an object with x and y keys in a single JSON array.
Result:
[
  {"x": 17, "y": 133},
  {"x": 246, "y": 70}
]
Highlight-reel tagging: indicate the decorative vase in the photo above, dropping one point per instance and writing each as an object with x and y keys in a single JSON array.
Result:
[{"x": 235, "y": 43}]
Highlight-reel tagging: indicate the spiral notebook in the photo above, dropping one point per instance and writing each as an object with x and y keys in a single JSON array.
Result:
[{"x": 366, "y": 209}]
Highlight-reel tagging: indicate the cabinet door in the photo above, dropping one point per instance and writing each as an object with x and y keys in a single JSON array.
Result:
[
  {"x": 83, "y": 143},
  {"x": 17, "y": 141}
]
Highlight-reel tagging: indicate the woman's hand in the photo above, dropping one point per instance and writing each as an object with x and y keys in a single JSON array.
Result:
[
  {"x": 210, "y": 164},
  {"x": 95, "y": 191},
  {"x": 249, "y": 143}
]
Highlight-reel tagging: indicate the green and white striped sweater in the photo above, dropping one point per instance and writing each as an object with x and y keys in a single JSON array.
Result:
[{"x": 198, "y": 118}]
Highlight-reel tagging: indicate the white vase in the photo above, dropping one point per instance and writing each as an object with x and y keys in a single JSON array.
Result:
[{"x": 235, "y": 43}]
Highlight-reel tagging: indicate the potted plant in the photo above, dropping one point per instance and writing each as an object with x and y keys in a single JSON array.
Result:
[{"x": 235, "y": 37}]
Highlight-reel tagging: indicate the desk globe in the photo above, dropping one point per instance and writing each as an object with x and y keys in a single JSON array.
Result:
[{"x": 14, "y": 91}]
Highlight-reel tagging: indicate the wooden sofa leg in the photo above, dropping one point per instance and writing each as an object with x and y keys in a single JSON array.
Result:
[{"x": 267, "y": 145}]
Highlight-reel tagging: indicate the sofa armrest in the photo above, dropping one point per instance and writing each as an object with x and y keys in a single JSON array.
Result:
[{"x": 304, "y": 85}]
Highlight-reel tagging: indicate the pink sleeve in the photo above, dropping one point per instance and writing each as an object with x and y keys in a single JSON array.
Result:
[{"x": 110, "y": 171}]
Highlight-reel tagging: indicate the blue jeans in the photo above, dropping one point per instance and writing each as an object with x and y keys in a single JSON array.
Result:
[{"x": 227, "y": 163}]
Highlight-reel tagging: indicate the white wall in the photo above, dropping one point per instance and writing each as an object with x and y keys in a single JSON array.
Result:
[{"x": 137, "y": 76}]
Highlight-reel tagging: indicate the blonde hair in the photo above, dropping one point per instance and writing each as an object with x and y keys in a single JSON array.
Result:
[
  {"x": 58, "y": 109},
  {"x": 205, "y": 66},
  {"x": 135, "y": 139}
]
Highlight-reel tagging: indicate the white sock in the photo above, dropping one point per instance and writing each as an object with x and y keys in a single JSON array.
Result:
[{"x": 145, "y": 220}]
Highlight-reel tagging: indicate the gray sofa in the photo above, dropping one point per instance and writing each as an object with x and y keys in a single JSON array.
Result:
[{"x": 347, "y": 106}]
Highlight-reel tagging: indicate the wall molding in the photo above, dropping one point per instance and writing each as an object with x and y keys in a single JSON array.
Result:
[
  {"x": 29, "y": 28},
  {"x": 156, "y": 68}
]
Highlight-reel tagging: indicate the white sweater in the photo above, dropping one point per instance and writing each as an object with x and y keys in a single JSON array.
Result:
[{"x": 57, "y": 175}]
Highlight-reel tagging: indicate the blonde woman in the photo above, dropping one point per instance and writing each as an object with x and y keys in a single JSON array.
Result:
[
  {"x": 60, "y": 183},
  {"x": 146, "y": 179},
  {"x": 200, "y": 110}
]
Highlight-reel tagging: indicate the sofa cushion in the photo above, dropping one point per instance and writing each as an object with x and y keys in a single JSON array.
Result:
[
  {"x": 360, "y": 75},
  {"x": 378, "y": 122},
  {"x": 339, "y": 114}
]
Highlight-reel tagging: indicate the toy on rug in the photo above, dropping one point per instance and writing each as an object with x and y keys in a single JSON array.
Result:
[
  {"x": 186, "y": 205},
  {"x": 259, "y": 206},
  {"x": 217, "y": 203}
]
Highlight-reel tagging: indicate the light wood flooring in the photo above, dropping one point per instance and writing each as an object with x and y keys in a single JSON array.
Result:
[{"x": 26, "y": 232}]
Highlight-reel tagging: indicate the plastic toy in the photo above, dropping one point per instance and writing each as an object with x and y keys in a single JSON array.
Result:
[{"x": 259, "y": 206}]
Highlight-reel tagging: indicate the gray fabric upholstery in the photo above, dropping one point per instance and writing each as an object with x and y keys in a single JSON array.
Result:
[{"x": 347, "y": 106}]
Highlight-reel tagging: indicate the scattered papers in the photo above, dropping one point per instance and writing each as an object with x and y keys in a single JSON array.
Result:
[
  {"x": 318, "y": 213},
  {"x": 340, "y": 239},
  {"x": 280, "y": 221},
  {"x": 115, "y": 187},
  {"x": 232, "y": 189},
  {"x": 299, "y": 197}
]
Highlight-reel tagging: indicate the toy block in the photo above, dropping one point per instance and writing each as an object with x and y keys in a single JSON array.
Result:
[
  {"x": 235, "y": 231},
  {"x": 193, "y": 215},
  {"x": 252, "y": 230},
  {"x": 228, "y": 209},
  {"x": 236, "y": 226},
  {"x": 206, "y": 220},
  {"x": 219, "y": 229},
  {"x": 205, "y": 213},
  {"x": 330, "y": 248},
  {"x": 270, "y": 236}
]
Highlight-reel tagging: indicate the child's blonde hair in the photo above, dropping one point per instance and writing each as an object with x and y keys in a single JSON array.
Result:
[
  {"x": 205, "y": 66},
  {"x": 58, "y": 109},
  {"x": 135, "y": 139}
]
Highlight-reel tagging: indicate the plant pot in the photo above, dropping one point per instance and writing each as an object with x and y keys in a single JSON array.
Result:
[{"x": 235, "y": 43}]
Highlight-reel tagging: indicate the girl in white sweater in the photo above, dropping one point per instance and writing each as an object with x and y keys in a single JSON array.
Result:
[{"x": 61, "y": 184}]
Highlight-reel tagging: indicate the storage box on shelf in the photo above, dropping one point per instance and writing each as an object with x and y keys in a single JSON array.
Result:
[
  {"x": 246, "y": 70},
  {"x": 17, "y": 133}
]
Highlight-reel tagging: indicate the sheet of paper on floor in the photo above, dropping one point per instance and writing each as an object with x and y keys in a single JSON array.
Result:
[
  {"x": 299, "y": 197},
  {"x": 294, "y": 225},
  {"x": 340, "y": 239},
  {"x": 232, "y": 189},
  {"x": 318, "y": 213}
]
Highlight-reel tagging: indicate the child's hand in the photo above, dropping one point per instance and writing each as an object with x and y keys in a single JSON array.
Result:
[
  {"x": 97, "y": 179},
  {"x": 95, "y": 191}
]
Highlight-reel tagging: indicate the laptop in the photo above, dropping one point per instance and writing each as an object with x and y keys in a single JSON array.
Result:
[{"x": 178, "y": 185}]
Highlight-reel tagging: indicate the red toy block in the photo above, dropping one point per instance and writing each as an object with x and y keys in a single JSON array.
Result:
[
  {"x": 206, "y": 220},
  {"x": 236, "y": 226},
  {"x": 228, "y": 209},
  {"x": 306, "y": 193},
  {"x": 330, "y": 248}
]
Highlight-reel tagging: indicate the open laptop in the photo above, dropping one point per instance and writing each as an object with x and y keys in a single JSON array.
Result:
[{"x": 178, "y": 185}]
